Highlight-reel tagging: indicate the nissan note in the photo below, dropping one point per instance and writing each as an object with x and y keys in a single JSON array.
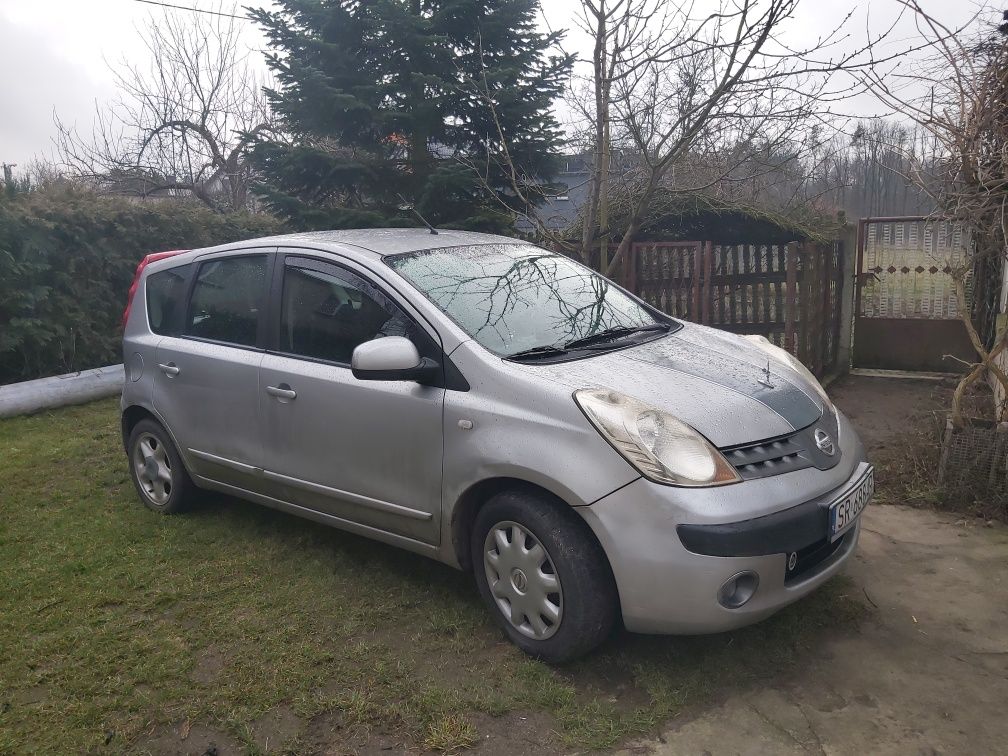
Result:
[{"x": 503, "y": 409}]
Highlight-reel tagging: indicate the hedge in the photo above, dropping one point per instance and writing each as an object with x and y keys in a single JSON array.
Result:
[{"x": 67, "y": 259}]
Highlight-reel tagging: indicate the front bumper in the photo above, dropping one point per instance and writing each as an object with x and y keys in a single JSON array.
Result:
[{"x": 750, "y": 526}]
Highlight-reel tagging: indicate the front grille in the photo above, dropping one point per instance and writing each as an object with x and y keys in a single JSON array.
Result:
[
  {"x": 812, "y": 556},
  {"x": 770, "y": 457},
  {"x": 793, "y": 451}
]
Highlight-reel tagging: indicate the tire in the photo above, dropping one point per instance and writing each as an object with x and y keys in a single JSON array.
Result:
[
  {"x": 156, "y": 468},
  {"x": 572, "y": 620}
]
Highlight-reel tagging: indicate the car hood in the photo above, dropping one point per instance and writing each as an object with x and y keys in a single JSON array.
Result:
[{"x": 715, "y": 381}]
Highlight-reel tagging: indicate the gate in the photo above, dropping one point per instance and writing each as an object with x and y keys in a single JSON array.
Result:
[
  {"x": 789, "y": 293},
  {"x": 906, "y": 315}
]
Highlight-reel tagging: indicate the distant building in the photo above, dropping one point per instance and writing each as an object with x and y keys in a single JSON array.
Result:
[
  {"x": 672, "y": 215},
  {"x": 561, "y": 209}
]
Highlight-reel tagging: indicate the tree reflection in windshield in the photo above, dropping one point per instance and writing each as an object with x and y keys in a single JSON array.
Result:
[{"x": 514, "y": 297}]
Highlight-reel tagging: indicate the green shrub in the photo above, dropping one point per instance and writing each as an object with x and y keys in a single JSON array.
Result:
[{"x": 67, "y": 259}]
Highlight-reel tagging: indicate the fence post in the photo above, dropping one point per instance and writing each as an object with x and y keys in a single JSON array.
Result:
[
  {"x": 806, "y": 290},
  {"x": 697, "y": 274},
  {"x": 630, "y": 268},
  {"x": 846, "y": 289},
  {"x": 807, "y": 311},
  {"x": 827, "y": 313},
  {"x": 708, "y": 254},
  {"x": 791, "y": 298}
]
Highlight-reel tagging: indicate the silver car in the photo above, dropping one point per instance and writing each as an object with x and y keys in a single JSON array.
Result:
[{"x": 499, "y": 408}]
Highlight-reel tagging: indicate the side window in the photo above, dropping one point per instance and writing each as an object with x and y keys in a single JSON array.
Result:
[
  {"x": 327, "y": 311},
  {"x": 166, "y": 300},
  {"x": 227, "y": 298}
]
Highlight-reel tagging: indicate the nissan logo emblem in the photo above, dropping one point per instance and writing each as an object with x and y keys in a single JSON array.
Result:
[{"x": 824, "y": 442}]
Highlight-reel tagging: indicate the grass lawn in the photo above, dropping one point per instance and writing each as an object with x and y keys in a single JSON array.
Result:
[{"x": 121, "y": 628}]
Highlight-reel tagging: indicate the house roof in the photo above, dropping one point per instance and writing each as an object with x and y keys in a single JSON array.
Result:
[{"x": 675, "y": 215}]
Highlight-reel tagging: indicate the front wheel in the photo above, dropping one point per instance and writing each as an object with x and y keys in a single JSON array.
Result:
[{"x": 543, "y": 575}]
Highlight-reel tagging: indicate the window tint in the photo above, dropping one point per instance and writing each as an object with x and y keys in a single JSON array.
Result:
[
  {"x": 166, "y": 300},
  {"x": 227, "y": 298},
  {"x": 327, "y": 312}
]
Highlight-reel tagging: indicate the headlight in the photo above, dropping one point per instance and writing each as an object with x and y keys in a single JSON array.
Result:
[
  {"x": 662, "y": 447},
  {"x": 785, "y": 357}
]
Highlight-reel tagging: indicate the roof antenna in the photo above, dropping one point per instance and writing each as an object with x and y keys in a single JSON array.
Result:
[{"x": 408, "y": 207}]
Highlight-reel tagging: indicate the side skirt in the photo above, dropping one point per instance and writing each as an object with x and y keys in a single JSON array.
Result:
[{"x": 410, "y": 544}]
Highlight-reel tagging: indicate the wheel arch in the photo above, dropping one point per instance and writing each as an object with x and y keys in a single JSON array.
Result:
[
  {"x": 131, "y": 416},
  {"x": 134, "y": 414},
  {"x": 473, "y": 498}
]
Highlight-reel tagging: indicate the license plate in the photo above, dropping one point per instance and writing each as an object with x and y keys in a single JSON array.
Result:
[{"x": 844, "y": 513}]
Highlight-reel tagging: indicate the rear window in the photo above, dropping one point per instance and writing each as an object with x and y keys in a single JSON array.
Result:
[
  {"x": 226, "y": 300},
  {"x": 166, "y": 300}
]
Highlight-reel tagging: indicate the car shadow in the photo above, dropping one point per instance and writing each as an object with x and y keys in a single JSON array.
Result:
[{"x": 746, "y": 653}]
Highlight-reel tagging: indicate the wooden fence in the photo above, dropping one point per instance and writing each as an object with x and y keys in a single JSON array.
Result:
[{"x": 789, "y": 293}]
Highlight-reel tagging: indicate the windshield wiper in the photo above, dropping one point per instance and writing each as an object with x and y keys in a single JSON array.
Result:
[
  {"x": 546, "y": 350},
  {"x": 610, "y": 334}
]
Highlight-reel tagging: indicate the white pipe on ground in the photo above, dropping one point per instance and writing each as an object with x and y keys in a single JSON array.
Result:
[{"x": 61, "y": 390}]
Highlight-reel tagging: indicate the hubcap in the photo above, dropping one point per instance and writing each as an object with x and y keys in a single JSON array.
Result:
[
  {"x": 523, "y": 580},
  {"x": 153, "y": 468}
]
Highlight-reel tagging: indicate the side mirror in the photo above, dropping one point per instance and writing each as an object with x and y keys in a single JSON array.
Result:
[{"x": 392, "y": 358}]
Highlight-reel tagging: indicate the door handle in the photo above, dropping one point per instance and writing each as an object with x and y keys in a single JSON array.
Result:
[
  {"x": 283, "y": 391},
  {"x": 170, "y": 369}
]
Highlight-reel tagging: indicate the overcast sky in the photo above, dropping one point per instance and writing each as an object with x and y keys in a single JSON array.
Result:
[{"x": 55, "y": 54}]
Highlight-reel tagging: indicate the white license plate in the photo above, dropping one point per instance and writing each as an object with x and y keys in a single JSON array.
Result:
[{"x": 844, "y": 513}]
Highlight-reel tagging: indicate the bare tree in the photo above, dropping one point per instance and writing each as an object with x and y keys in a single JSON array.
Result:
[
  {"x": 180, "y": 124},
  {"x": 689, "y": 102},
  {"x": 720, "y": 96},
  {"x": 961, "y": 101},
  {"x": 864, "y": 169},
  {"x": 620, "y": 29}
]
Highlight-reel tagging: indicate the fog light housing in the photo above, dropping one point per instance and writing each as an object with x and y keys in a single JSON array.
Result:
[{"x": 738, "y": 589}]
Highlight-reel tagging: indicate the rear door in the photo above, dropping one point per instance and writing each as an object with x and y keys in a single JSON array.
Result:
[
  {"x": 367, "y": 452},
  {"x": 207, "y": 377}
]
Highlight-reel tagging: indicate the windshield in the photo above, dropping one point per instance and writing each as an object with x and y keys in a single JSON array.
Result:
[{"x": 515, "y": 297}]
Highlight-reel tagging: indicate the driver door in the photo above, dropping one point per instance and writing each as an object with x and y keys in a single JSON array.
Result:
[{"x": 367, "y": 452}]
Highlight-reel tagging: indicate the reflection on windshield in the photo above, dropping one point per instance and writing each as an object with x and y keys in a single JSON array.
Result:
[{"x": 514, "y": 297}]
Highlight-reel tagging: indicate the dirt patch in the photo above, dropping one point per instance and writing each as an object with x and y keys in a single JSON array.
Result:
[
  {"x": 425, "y": 656},
  {"x": 208, "y": 666},
  {"x": 517, "y": 733},
  {"x": 609, "y": 678},
  {"x": 184, "y": 739},
  {"x": 275, "y": 728},
  {"x": 328, "y": 735},
  {"x": 36, "y": 694},
  {"x": 886, "y": 410}
]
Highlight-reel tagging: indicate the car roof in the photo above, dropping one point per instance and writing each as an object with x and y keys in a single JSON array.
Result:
[{"x": 378, "y": 242}]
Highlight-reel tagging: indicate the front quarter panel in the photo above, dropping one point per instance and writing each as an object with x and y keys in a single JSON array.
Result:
[{"x": 525, "y": 428}]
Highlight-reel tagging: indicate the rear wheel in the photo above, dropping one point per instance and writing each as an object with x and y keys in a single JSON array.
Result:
[
  {"x": 543, "y": 575},
  {"x": 160, "y": 478}
]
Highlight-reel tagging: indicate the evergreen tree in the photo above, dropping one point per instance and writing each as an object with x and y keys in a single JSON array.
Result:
[{"x": 380, "y": 98}]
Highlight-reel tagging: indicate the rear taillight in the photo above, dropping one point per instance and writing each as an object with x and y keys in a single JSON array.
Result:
[{"x": 139, "y": 271}]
